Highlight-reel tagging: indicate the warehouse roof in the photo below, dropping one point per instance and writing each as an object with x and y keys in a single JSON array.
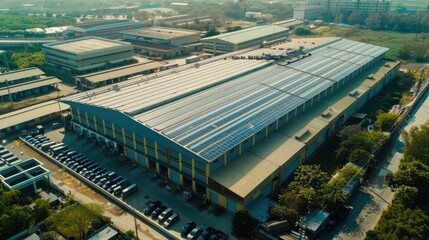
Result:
[
  {"x": 104, "y": 23},
  {"x": 211, "y": 121},
  {"x": 161, "y": 32},
  {"x": 29, "y": 113},
  {"x": 28, "y": 85},
  {"x": 87, "y": 44},
  {"x": 121, "y": 71},
  {"x": 248, "y": 34},
  {"x": 20, "y": 74}
]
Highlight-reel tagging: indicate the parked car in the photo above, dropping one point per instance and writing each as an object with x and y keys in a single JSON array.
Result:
[
  {"x": 195, "y": 233},
  {"x": 207, "y": 233},
  {"x": 187, "y": 228},
  {"x": 165, "y": 215},
  {"x": 150, "y": 207},
  {"x": 157, "y": 211},
  {"x": 171, "y": 220}
]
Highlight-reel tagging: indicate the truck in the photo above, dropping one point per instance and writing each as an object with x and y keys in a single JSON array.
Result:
[{"x": 192, "y": 59}]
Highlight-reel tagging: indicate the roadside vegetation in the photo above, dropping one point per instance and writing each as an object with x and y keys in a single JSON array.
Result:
[
  {"x": 407, "y": 217},
  {"x": 17, "y": 23},
  {"x": 70, "y": 220}
]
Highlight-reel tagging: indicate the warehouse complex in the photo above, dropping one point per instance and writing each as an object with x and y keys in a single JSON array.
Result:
[
  {"x": 163, "y": 42},
  {"x": 26, "y": 83},
  {"x": 106, "y": 29},
  {"x": 242, "y": 39},
  {"x": 233, "y": 129},
  {"x": 86, "y": 55},
  {"x": 316, "y": 8},
  {"x": 115, "y": 75}
]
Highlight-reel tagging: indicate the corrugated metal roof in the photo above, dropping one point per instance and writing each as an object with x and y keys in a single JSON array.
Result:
[
  {"x": 210, "y": 122},
  {"x": 81, "y": 45},
  {"x": 121, "y": 71},
  {"x": 29, "y": 85},
  {"x": 160, "y": 32},
  {"x": 29, "y": 113},
  {"x": 248, "y": 34},
  {"x": 20, "y": 74}
]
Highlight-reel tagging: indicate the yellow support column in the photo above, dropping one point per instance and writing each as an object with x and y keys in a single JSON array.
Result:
[
  {"x": 225, "y": 158},
  {"x": 145, "y": 146},
  {"x": 194, "y": 184},
  {"x": 113, "y": 131},
  {"x": 104, "y": 127},
  {"x": 287, "y": 117},
  {"x": 147, "y": 162},
  {"x": 124, "y": 137},
  {"x": 134, "y": 141},
  {"x": 277, "y": 124},
  {"x": 207, "y": 173},
  {"x": 253, "y": 139},
  {"x": 156, "y": 157},
  {"x": 87, "y": 120},
  {"x": 303, "y": 107},
  {"x": 266, "y": 132},
  {"x": 78, "y": 114},
  {"x": 180, "y": 169},
  {"x": 95, "y": 124}
]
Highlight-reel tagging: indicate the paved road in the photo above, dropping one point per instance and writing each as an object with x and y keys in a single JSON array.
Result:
[{"x": 374, "y": 195}]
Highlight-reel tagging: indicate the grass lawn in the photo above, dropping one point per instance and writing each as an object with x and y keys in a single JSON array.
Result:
[{"x": 387, "y": 39}]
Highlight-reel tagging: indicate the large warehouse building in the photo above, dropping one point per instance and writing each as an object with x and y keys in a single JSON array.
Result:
[
  {"x": 107, "y": 29},
  {"x": 246, "y": 38},
  {"x": 234, "y": 129},
  {"x": 163, "y": 42},
  {"x": 86, "y": 55}
]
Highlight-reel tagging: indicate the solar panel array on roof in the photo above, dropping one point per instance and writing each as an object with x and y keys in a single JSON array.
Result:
[
  {"x": 213, "y": 121},
  {"x": 211, "y": 109}
]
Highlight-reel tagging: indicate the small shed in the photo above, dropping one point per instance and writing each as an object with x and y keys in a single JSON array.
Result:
[{"x": 315, "y": 221}]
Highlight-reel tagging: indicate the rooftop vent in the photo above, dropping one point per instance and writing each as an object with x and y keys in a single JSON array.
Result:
[
  {"x": 371, "y": 76},
  {"x": 326, "y": 114},
  {"x": 116, "y": 87},
  {"x": 302, "y": 133},
  {"x": 353, "y": 93}
]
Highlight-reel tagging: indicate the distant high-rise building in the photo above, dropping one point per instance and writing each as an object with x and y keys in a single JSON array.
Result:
[{"x": 334, "y": 7}]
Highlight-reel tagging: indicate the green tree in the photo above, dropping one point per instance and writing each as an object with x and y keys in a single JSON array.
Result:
[
  {"x": 359, "y": 156},
  {"x": 130, "y": 233},
  {"x": 309, "y": 176},
  {"x": 386, "y": 121},
  {"x": 300, "y": 31},
  {"x": 42, "y": 209},
  {"x": 349, "y": 131},
  {"x": 280, "y": 212},
  {"x": 76, "y": 220},
  {"x": 417, "y": 143},
  {"x": 333, "y": 195},
  {"x": 399, "y": 222},
  {"x": 406, "y": 196},
  {"x": 243, "y": 223}
]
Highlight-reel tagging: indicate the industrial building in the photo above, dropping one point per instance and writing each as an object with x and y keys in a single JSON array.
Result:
[
  {"x": 315, "y": 8},
  {"x": 233, "y": 129},
  {"x": 246, "y": 38},
  {"x": 163, "y": 42},
  {"x": 24, "y": 174},
  {"x": 86, "y": 55},
  {"x": 22, "y": 84},
  {"x": 31, "y": 116},
  {"x": 115, "y": 75},
  {"x": 107, "y": 29},
  {"x": 180, "y": 20}
]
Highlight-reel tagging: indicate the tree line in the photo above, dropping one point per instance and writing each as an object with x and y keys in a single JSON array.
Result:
[
  {"x": 390, "y": 21},
  {"x": 408, "y": 216}
]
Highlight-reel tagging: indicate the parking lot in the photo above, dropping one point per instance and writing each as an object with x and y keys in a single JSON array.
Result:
[{"x": 149, "y": 188}]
